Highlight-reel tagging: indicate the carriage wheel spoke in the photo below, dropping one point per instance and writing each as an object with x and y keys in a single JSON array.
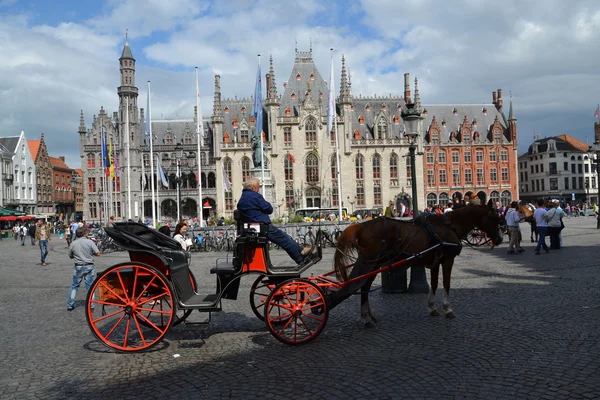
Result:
[
  {"x": 112, "y": 291},
  {"x": 135, "y": 277},
  {"x": 310, "y": 307},
  {"x": 153, "y": 298},
  {"x": 149, "y": 322},
  {"x": 106, "y": 303},
  {"x": 152, "y": 310},
  {"x": 313, "y": 317},
  {"x": 115, "y": 326},
  {"x": 107, "y": 316},
  {"x": 306, "y": 326},
  {"x": 286, "y": 325},
  {"x": 137, "y": 324},
  {"x": 127, "y": 331},
  {"x": 281, "y": 317},
  {"x": 123, "y": 285},
  {"x": 145, "y": 289}
]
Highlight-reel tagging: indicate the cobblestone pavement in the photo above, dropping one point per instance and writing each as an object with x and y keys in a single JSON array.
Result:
[{"x": 527, "y": 327}]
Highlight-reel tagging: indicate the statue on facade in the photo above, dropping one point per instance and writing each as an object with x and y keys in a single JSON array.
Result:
[{"x": 256, "y": 153}]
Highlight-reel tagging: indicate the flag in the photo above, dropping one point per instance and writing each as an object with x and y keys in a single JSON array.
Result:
[
  {"x": 597, "y": 112},
  {"x": 148, "y": 112},
  {"x": 197, "y": 177},
  {"x": 291, "y": 158},
  {"x": 257, "y": 108},
  {"x": 331, "y": 111},
  {"x": 111, "y": 166},
  {"x": 226, "y": 181},
  {"x": 105, "y": 162},
  {"x": 161, "y": 174},
  {"x": 144, "y": 180}
]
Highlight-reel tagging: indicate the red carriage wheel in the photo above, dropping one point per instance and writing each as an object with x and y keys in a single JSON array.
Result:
[
  {"x": 296, "y": 311},
  {"x": 260, "y": 290},
  {"x": 121, "y": 299}
]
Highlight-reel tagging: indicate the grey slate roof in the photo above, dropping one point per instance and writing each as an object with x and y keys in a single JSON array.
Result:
[
  {"x": 310, "y": 81},
  {"x": 232, "y": 110},
  {"x": 178, "y": 128},
  {"x": 561, "y": 145},
  {"x": 127, "y": 51},
  {"x": 372, "y": 110},
  {"x": 10, "y": 143}
]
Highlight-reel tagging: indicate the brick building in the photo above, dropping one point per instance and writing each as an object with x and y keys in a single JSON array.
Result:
[
  {"x": 43, "y": 168},
  {"x": 470, "y": 149},
  {"x": 63, "y": 196}
]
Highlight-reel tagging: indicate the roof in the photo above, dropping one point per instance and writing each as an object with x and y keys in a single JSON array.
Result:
[
  {"x": 562, "y": 143},
  {"x": 127, "y": 51},
  {"x": 178, "y": 128},
  {"x": 574, "y": 142},
  {"x": 10, "y": 143},
  {"x": 58, "y": 163},
  {"x": 34, "y": 148},
  {"x": 78, "y": 171}
]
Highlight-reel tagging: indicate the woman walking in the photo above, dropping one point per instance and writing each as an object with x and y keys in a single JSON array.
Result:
[{"x": 554, "y": 225}]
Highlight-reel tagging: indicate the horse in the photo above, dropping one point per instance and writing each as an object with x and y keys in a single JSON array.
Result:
[
  {"x": 527, "y": 210},
  {"x": 384, "y": 241}
]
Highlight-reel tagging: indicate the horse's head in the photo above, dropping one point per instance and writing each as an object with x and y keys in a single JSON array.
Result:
[
  {"x": 489, "y": 222},
  {"x": 526, "y": 210}
]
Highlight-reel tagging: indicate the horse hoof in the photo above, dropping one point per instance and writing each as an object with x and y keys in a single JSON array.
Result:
[
  {"x": 450, "y": 315},
  {"x": 434, "y": 313},
  {"x": 373, "y": 319},
  {"x": 370, "y": 325}
]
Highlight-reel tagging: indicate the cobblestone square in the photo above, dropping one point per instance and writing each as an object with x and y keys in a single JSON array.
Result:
[{"x": 527, "y": 327}]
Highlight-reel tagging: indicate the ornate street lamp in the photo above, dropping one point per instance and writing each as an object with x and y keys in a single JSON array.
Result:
[
  {"x": 410, "y": 115},
  {"x": 597, "y": 149}
]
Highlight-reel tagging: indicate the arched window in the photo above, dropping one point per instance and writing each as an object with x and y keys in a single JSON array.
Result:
[
  {"x": 443, "y": 199},
  {"x": 227, "y": 167},
  {"x": 376, "y": 166},
  {"x": 505, "y": 198},
  {"x": 311, "y": 132},
  {"x": 312, "y": 168},
  {"x": 382, "y": 128},
  {"x": 172, "y": 184},
  {"x": 394, "y": 166},
  {"x": 187, "y": 139},
  {"x": 193, "y": 180},
  {"x": 212, "y": 180},
  {"x": 245, "y": 169},
  {"x": 169, "y": 140},
  {"x": 203, "y": 180},
  {"x": 333, "y": 166},
  {"x": 431, "y": 200},
  {"x": 288, "y": 168},
  {"x": 359, "y": 166},
  {"x": 495, "y": 197},
  {"x": 313, "y": 198}
]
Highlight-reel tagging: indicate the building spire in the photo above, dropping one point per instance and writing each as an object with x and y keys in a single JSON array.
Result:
[
  {"x": 81, "y": 123},
  {"x": 417, "y": 97},
  {"x": 217, "y": 109},
  {"x": 511, "y": 112},
  {"x": 345, "y": 93},
  {"x": 271, "y": 85},
  {"x": 126, "y": 54}
]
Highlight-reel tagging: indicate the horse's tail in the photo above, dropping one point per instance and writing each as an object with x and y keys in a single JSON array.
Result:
[{"x": 345, "y": 242}]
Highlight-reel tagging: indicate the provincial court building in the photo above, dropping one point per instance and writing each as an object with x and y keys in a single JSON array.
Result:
[{"x": 300, "y": 153}]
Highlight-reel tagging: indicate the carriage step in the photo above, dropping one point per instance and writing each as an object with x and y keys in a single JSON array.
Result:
[
  {"x": 204, "y": 302},
  {"x": 223, "y": 267}
]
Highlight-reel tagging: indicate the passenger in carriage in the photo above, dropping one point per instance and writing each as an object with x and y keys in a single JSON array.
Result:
[{"x": 254, "y": 208}]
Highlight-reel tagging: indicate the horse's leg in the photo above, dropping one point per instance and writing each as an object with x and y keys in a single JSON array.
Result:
[
  {"x": 447, "y": 264},
  {"x": 365, "y": 308},
  {"x": 435, "y": 271}
]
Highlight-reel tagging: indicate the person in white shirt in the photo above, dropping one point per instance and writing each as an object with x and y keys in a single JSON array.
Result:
[
  {"x": 513, "y": 218},
  {"x": 555, "y": 225},
  {"x": 541, "y": 219},
  {"x": 180, "y": 231},
  {"x": 448, "y": 208}
]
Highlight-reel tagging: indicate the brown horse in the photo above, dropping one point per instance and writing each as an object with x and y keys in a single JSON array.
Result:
[{"x": 384, "y": 241}]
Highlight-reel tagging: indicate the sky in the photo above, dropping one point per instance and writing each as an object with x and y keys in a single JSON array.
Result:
[{"x": 60, "y": 57}]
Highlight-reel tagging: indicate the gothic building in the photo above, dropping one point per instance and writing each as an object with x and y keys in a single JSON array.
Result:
[{"x": 301, "y": 167}]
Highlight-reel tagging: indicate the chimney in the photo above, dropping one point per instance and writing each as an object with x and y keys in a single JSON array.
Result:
[
  {"x": 597, "y": 132},
  {"x": 499, "y": 98},
  {"x": 62, "y": 158},
  {"x": 494, "y": 97},
  {"x": 407, "y": 88}
]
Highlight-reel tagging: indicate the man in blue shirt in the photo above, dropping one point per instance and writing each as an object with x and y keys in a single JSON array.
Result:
[{"x": 254, "y": 208}]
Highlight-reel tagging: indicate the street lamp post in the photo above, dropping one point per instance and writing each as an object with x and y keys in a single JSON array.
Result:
[
  {"x": 410, "y": 116},
  {"x": 597, "y": 145},
  {"x": 178, "y": 179}
]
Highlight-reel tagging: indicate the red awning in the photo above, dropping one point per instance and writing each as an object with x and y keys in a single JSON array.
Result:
[
  {"x": 8, "y": 218},
  {"x": 26, "y": 217},
  {"x": 206, "y": 204}
]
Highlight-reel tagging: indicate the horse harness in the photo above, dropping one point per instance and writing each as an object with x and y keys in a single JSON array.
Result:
[{"x": 434, "y": 238}]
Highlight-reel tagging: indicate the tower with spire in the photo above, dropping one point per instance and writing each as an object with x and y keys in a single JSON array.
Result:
[
  {"x": 512, "y": 126},
  {"x": 272, "y": 104},
  {"x": 128, "y": 93},
  {"x": 217, "y": 118},
  {"x": 345, "y": 105}
]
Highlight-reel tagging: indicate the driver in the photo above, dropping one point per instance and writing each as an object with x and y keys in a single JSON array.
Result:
[{"x": 254, "y": 208}]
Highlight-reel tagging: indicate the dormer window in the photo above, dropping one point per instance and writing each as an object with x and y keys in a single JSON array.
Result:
[
  {"x": 535, "y": 148},
  {"x": 293, "y": 95},
  {"x": 551, "y": 146},
  {"x": 298, "y": 77},
  {"x": 312, "y": 77},
  {"x": 243, "y": 109}
]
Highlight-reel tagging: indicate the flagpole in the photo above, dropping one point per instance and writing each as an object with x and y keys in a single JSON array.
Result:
[
  {"x": 143, "y": 184},
  {"x": 260, "y": 132},
  {"x": 128, "y": 162},
  {"x": 152, "y": 183},
  {"x": 337, "y": 146},
  {"x": 178, "y": 194},
  {"x": 200, "y": 133},
  {"x": 104, "y": 181}
]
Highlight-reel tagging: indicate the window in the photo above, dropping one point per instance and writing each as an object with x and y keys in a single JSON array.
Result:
[
  {"x": 593, "y": 182},
  {"x": 456, "y": 177},
  {"x": 581, "y": 182},
  {"x": 566, "y": 183},
  {"x": 480, "y": 179},
  {"x": 359, "y": 166},
  {"x": 227, "y": 168},
  {"x": 495, "y": 197},
  {"x": 442, "y": 176},
  {"x": 537, "y": 169},
  {"x": 587, "y": 183},
  {"x": 492, "y": 155},
  {"x": 288, "y": 169},
  {"x": 289, "y": 194},
  {"x": 187, "y": 139},
  {"x": 504, "y": 174},
  {"x": 552, "y": 168},
  {"x": 543, "y": 184},
  {"x": 574, "y": 182},
  {"x": 580, "y": 168},
  {"x": 468, "y": 176},
  {"x": 442, "y": 157},
  {"x": 117, "y": 183},
  {"x": 443, "y": 199},
  {"x": 146, "y": 160},
  {"x": 244, "y": 135},
  {"x": 503, "y": 155},
  {"x": 360, "y": 196},
  {"x": 169, "y": 140},
  {"x": 586, "y": 168},
  {"x": 541, "y": 167},
  {"x": 479, "y": 156},
  {"x": 467, "y": 156},
  {"x": 377, "y": 195},
  {"x": 311, "y": 132},
  {"x": 566, "y": 166},
  {"x": 505, "y": 198},
  {"x": 552, "y": 155},
  {"x": 229, "y": 201},
  {"x": 334, "y": 195},
  {"x": 245, "y": 169},
  {"x": 287, "y": 136},
  {"x": 312, "y": 168},
  {"x": 408, "y": 174},
  {"x": 333, "y": 167},
  {"x": 93, "y": 211},
  {"x": 435, "y": 141},
  {"x": 455, "y": 157},
  {"x": 573, "y": 168},
  {"x": 91, "y": 161},
  {"x": 382, "y": 129},
  {"x": 494, "y": 175},
  {"x": 430, "y": 178},
  {"x": 394, "y": 166},
  {"x": 430, "y": 157},
  {"x": 377, "y": 166},
  {"x": 431, "y": 200},
  {"x": 91, "y": 185}
]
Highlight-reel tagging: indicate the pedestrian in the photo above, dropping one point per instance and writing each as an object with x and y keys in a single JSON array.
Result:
[
  {"x": 179, "y": 235},
  {"x": 32, "y": 233},
  {"x": 541, "y": 219},
  {"x": 448, "y": 208},
  {"x": 389, "y": 210},
  {"x": 82, "y": 251},
  {"x": 42, "y": 237},
  {"x": 513, "y": 218},
  {"x": 24, "y": 232},
  {"x": 554, "y": 225},
  {"x": 111, "y": 222},
  {"x": 16, "y": 230},
  {"x": 68, "y": 234}
]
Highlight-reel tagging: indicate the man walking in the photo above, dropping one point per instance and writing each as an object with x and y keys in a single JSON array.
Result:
[
  {"x": 82, "y": 251},
  {"x": 42, "y": 236},
  {"x": 541, "y": 219},
  {"x": 513, "y": 218},
  {"x": 32, "y": 233}
]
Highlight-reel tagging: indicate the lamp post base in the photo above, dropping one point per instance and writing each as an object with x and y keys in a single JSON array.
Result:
[{"x": 418, "y": 281}]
